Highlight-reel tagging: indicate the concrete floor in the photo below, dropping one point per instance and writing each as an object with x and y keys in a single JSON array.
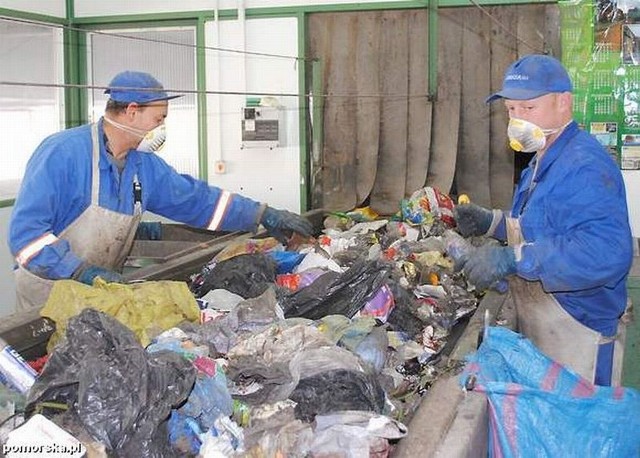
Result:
[{"x": 631, "y": 367}]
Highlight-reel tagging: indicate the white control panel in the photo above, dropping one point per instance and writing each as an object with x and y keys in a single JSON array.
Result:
[{"x": 260, "y": 127}]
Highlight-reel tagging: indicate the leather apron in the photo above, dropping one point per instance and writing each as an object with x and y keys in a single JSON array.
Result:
[
  {"x": 553, "y": 330},
  {"x": 98, "y": 236}
]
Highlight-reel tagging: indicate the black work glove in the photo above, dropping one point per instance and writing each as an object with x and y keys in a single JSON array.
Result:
[
  {"x": 86, "y": 273},
  {"x": 281, "y": 223},
  {"x": 471, "y": 219}
]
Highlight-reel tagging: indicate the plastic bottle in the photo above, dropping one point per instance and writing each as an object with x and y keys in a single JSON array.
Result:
[{"x": 14, "y": 371}]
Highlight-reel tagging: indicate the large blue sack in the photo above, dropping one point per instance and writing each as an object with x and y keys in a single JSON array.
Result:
[{"x": 539, "y": 408}]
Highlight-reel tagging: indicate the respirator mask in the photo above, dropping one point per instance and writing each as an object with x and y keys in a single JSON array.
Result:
[
  {"x": 527, "y": 137},
  {"x": 151, "y": 140},
  {"x": 154, "y": 140}
]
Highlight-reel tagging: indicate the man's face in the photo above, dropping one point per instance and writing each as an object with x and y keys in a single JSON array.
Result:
[
  {"x": 545, "y": 111},
  {"x": 148, "y": 117}
]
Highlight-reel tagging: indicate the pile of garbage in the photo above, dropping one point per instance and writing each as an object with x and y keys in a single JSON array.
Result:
[{"x": 320, "y": 347}]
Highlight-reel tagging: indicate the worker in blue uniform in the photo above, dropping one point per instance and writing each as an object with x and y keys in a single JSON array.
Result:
[
  {"x": 569, "y": 242},
  {"x": 85, "y": 189}
]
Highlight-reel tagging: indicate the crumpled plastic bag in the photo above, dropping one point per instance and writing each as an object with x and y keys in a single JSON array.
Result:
[
  {"x": 247, "y": 275},
  {"x": 147, "y": 308},
  {"x": 264, "y": 361},
  {"x": 337, "y": 294},
  {"x": 538, "y": 405},
  {"x": 336, "y": 390},
  {"x": 209, "y": 400},
  {"x": 121, "y": 394},
  {"x": 250, "y": 246},
  {"x": 426, "y": 205},
  {"x": 355, "y": 433}
]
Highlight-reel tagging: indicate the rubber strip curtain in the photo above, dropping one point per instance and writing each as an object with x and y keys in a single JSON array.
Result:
[{"x": 383, "y": 137}]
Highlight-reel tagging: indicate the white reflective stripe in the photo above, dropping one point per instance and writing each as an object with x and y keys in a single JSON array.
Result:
[
  {"x": 28, "y": 252},
  {"x": 221, "y": 209}
]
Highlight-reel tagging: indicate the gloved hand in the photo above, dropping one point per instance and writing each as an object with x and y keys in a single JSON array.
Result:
[
  {"x": 280, "y": 224},
  {"x": 149, "y": 230},
  {"x": 472, "y": 219},
  {"x": 489, "y": 264},
  {"x": 86, "y": 273}
]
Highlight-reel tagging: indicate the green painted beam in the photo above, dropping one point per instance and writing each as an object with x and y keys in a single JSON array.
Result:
[
  {"x": 70, "y": 10},
  {"x": 201, "y": 86},
  {"x": 76, "y": 110},
  {"x": 75, "y": 71},
  {"x": 285, "y": 11},
  {"x": 158, "y": 18},
  {"x": 9, "y": 13},
  {"x": 303, "y": 106}
]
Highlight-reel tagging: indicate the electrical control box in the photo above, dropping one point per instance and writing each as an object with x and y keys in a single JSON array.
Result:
[{"x": 260, "y": 127}]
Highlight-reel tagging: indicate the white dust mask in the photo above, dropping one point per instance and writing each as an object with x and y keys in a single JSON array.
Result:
[
  {"x": 527, "y": 137},
  {"x": 128, "y": 129},
  {"x": 154, "y": 140}
]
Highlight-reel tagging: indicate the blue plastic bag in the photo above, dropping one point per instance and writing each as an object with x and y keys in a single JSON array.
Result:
[
  {"x": 286, "y": 260},
  {"x": 540, "y": 408}
]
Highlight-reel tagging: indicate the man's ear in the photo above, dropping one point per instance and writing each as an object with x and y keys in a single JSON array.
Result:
[
  {"x": 565, "y": 101},
  {"x": 131, "y": 109}
]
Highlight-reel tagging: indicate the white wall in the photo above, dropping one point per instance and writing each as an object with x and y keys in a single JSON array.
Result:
[
  {"x": 87, "y": 8},
  {"x": 49, "y": 7},
  {"x": 271, "y": 176}
]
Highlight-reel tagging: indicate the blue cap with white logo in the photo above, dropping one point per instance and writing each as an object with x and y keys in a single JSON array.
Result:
[
  {"x": 531, "y": 77},
  {"x": 138, "y": 87}
]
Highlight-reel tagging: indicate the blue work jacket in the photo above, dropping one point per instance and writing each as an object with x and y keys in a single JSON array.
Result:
[
  {"x": 574, "y": 220},
  {"x": 56, "y": 189}
]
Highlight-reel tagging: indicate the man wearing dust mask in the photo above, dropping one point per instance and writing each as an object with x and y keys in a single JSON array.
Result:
[
  {"x": 85, "y": 188},
  {"x": 568, "y": 242}
]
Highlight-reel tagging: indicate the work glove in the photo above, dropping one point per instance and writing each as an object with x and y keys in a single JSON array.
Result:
[
  {"x": 471, "y": 219},
  {"x": 489, "y": 265},
  {"x": 281, "y": 223},
  {"x": 86, "y": 273},
  {"x": 149, "y": 230}
]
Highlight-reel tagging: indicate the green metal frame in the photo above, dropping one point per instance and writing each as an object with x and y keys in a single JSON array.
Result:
[
  {"x": 201, "y": 86},
  {"x": 302, "y": 113},
  {"x": 75, "y": 64}
]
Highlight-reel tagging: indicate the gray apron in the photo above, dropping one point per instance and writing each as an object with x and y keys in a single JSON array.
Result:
[
  {"x": 98, "y": 236},
  {"x": 553, "y": 330}
]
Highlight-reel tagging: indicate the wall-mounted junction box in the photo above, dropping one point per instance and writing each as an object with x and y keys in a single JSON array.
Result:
[{"x": 260, "y": 127}]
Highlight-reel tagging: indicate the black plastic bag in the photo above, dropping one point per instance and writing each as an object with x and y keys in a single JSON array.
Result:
[
  {"x": 336, "y": 294},
  {"x": 337, "y": 390},
  {"x": 247, "y": 275},
  {"x": 402, "y": 317},
  {"x": 122, "y": 395}
]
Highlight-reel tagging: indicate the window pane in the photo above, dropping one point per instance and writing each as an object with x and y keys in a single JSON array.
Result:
[
  {"x": 30, "y": 53},
  {"x": 169, "y": 55}
]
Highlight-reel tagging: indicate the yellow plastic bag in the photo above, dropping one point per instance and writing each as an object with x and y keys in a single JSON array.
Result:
[{"x": 147, "y": 308}]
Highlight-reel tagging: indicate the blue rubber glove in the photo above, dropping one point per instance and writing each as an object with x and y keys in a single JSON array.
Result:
[
  {"x": 471, "y": 219},
  {"x": 281, "y": 223},
  {"x": 86, "y": 273},
  {"x": 149, "y": 230},
  {"x": 489, "y": 265}
]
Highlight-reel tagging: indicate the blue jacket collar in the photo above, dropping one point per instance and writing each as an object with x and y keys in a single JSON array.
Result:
[{"x": 554, "y": 150}]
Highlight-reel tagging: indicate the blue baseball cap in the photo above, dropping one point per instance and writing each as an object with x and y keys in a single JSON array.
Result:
[
  {"x": 531, "y": 77},
  {"x": 138, "y": 87}
]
